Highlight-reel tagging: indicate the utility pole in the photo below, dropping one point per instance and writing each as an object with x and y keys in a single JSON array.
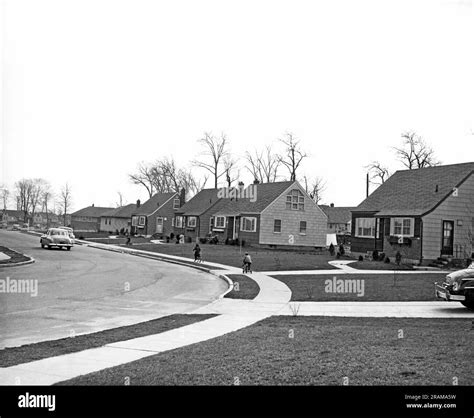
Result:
[{"x": 367, "y": 185}]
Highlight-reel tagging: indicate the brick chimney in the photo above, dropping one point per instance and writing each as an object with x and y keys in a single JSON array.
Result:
[
  {"x": 332, "y": 205},
  {"x": 138, "y": 203},
  {"x": 182, "y": 197}
]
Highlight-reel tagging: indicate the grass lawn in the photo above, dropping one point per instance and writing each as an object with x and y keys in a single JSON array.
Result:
[
  {"x": 15, "y": 257},
  {"x": 323, "y": 351},
  {"x": 263, "y": 259},
  {"x": 244, "y": 287},
  {"x": 377, "y": 287},
  {"x": 31, "y": 352},
  {"x": 379, "y": 265}
]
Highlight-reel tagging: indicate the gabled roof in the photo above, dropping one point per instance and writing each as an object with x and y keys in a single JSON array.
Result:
[
  {"x": 338, "y": 215},
  {"x": 264, "y": 195},
  {"x": 14, "y": 213},
  {"x": 153, "y": 203},
  {"x": 416, "y": 192},
  {"x": 121, "y": 212},
  {"x": 201, "y": 202},
  {"x": 91, "y": 211}
]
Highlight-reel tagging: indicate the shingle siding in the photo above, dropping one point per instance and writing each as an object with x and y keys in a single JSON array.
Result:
[
  {"x": 460, "y": 208},
  {"x": 316, "y": 223}
]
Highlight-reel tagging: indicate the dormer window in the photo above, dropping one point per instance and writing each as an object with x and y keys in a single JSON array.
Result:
[{"x": 176, "y": 203}]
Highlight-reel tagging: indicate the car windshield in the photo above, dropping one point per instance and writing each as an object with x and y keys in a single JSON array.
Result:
[{"x": 58, "y": 232}]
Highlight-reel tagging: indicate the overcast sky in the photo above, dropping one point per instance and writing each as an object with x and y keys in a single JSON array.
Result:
[{"x": 91, "y": 88}]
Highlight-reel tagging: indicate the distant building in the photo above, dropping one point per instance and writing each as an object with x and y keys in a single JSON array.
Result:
[
  {"x": 339, "y": 219},
  {"x": 88, "y": 219},
  {"x": 155, "y": 216},
  {"x": 118, "y": 219}
]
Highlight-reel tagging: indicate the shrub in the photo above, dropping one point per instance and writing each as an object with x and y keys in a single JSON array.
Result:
[
  {"x": 361, "y": 258},
  {"x": 375, "y": 255},
  {"x": 203, "y": 240},
  {"x": 331, "y": 249},
  {"x": 381, "y": 257},
  {"x": 387, "y": 260},
  {"x": 227, "y": 241}
]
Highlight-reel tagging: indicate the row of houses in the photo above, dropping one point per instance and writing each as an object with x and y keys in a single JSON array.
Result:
[
  {"x": 424, "y": 214},
  {"x": 40, "y": 220}
]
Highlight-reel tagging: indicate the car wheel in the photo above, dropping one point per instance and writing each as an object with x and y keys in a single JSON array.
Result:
[
  {"x": 68, "y": 248},
  {"x": 42, "y": 245}
]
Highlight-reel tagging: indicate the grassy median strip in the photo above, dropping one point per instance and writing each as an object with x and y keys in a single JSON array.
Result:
[
  {"x": 312, "y": 351},
  {"x": 31, "y": 352},
  {"x": 15, "y": 257},
  {"x": 244, "y": 287},
  {"x": 376, "y": 287},
  {"x": 263, "y": 259}
]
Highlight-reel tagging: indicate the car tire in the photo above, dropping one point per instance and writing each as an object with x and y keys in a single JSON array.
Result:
[
  {"x": 42, "y": 245},
  {"x": 469, "y": 304},
  {"x": 68, "y": 248}
]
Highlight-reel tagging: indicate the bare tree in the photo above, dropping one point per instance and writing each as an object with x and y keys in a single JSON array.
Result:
[
  {"x": 415, "y": 152},
  {"x": 314, "y": 187},
  {"x": 263, "y": 165},
  {"x": 378, "y": 172},
  {"x": 5, "y": 197},
  {"x": 216, "y": 152},
  {"x": 65, "y": 201},
  {"x": 294, "y": 155},
  {"x": 120, "y": 202},
  {"x": 232, "y": 173},
  {"x": 24, "y": 194},
  {"x": 46, "y": 196},
  {"x": 144, "y": 177}
]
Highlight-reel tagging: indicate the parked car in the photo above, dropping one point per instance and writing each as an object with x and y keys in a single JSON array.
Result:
[
  {"x": 70, "y": 231},
  {"x": 458, "y": 286},
  {"x": 56, "y": 237},
  {"x": 15, "y": 227}
]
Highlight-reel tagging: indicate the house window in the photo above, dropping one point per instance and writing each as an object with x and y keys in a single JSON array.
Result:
[
  {"x": 295, "y": 200},
  {"x": 219, "y": 222},
  {"x": 248, "y": 224},
  {"x": 179, "y": 221},
  {"x": 176, "y": 203},
  {"x": 303, "y": 227},
  {"x": 141, "y": 221},
  {"x": 365, "y": 227},
  {"x": 402, "y": 227},
  {"x": 277, "y": 225},
  {"x": 192, "y": 220}
]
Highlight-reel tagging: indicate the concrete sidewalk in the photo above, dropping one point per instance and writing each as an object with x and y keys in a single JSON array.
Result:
[
  {"x": 272, "y": 299},
  {"x": 343, "y": 267}
]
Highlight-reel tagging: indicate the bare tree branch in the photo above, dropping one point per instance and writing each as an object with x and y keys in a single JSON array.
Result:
[
  {"x": 294, "y": 155},
  {"x": 415, "y": 152}
]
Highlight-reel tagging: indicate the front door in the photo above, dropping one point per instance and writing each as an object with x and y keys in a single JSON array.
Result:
[
  {"x": 159, "y": 225},
  {"x": 447, "y": 244}
]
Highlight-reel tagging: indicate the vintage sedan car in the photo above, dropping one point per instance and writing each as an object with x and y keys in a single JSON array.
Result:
[
  {"x": 458, "y": 286},
  {"x": 70, "y": 232},
  {"x": 56, "y": 237}
]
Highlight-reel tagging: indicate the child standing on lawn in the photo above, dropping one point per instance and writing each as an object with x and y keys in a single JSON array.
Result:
[{"x": 197, "y": 253}]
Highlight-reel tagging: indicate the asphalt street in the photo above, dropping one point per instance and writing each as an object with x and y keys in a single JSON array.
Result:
[{"x": 87, "y": 290}]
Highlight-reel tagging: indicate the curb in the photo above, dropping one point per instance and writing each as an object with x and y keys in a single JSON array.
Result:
[
  {"x": 21, "y": 263},
  {"x": 164, "y": 259}
]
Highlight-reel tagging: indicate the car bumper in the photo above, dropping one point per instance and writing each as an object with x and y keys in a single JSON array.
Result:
[{"x": 443, "y": 293}]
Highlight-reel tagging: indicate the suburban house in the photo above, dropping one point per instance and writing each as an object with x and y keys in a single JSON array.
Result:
[
  {"x": 193, "y": 218},
  {"x": 426, "y": 214},
  {"x": 88, "y": 219},
  {"x": 156, "y": 215},
  {"x": 339, "y": 218},
  {"x": 118, "y": 219},
  {"x": 271, "y": 214},
  {"x": 45, "y": 220},
  {"x": 11, "y": 217}
]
